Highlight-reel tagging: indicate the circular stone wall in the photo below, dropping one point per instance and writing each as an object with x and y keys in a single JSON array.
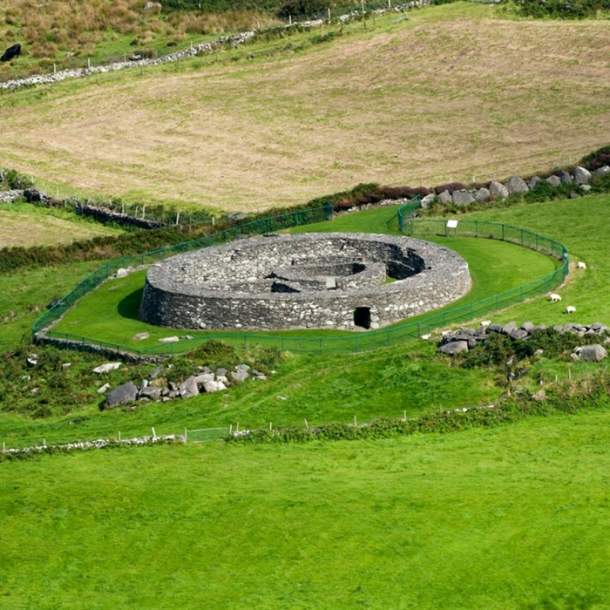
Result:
[{"x": 313, "y": 280}]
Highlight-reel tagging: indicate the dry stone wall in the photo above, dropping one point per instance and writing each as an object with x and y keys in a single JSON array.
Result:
[{"x": 331, "y": 280}]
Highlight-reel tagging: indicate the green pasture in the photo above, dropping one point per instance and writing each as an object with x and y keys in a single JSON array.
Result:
[{"x": 507, "y": 518}]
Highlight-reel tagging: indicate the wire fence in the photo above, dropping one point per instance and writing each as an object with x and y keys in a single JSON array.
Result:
[{"x": 312, "y": 341}]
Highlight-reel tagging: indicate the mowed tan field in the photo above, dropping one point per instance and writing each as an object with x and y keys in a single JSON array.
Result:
[
  {"x": 453, "y": 93},
  {"x": 20, "y": 226}
]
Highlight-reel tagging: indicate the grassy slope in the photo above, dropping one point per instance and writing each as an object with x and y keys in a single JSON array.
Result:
[
  {"x": 426, "y": 99},
  {"x": 110, "y": 313},
  {"x": 68, "y": 33},
  {"x": 26, "y": 225},
  {"x": 512, "y": 518},
  {"x": 24, "y": 296}
]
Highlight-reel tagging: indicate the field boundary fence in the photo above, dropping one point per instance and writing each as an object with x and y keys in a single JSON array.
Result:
[{"x": 407, "y": 223}]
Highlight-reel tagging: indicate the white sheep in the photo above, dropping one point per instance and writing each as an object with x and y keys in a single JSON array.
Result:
[
  {"x": 485, "y": 323},
  {"x": 581, "y": 265},
  {"x": 570, "y": 309},
  {"x": 554, "y": 297}
]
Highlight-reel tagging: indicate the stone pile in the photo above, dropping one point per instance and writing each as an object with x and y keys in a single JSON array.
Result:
[
  {"x": 464, "y": 339},
  {"x": 158, "y": 389}
]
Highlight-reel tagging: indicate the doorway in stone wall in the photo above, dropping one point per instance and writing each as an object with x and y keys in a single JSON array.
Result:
[{"x": 362, "y": 317}]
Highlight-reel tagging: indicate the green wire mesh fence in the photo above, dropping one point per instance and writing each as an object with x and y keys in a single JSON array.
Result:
[{"x": 346, "y": 341}]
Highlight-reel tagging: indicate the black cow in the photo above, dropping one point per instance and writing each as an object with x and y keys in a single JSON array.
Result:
[{"x": 11, "y": 53}]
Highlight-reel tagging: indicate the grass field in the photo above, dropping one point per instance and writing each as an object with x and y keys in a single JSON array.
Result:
[
  {"x": 26, "y": 225},
  {"x": 420, "y": 100},
  {"x": 511, "y": 518},
  {"x": 110, "y": 313}
]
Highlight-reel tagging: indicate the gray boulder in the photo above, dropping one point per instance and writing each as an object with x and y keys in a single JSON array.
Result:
[
  {"x": 516, "y": 186},
  {"x": 239, "y": 375},
  {"x": 528, "y": 326},
  {"x": 204, "y": 378},
  {"x": 445, "y": 198},
  {"x": 188, "y": 387},
  {"x": 122, "y": 395},
  {"x": 591, "y": 353},
  {"x": 462, "y": 197},
  {"x": 151, "y": 392},
  {"x": 519, "y": 333},
  {"x": 534, "y": 181},
  {"x": 565, "y": 177},
  {"x": 507, "y": 329},
  {"x": 554, "y": 181},
  {"x": 482, "y": 195},
  {"x": 428, "y": 200},
  {"x": 455, "y": 347},
  {"x": 497, "y": 190},
  {"x": 602, "y": 171},
  {"x": 582, "y": 175},
  {"x": 214, "y": 386}
]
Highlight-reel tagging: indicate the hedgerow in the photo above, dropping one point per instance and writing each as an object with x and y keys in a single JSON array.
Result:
[
  {"x": 561, "y": 9},
  {"x": 567, "y": 397}
]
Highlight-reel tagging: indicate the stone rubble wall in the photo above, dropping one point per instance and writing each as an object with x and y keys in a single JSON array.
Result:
[{"x": 195, "y": 50}]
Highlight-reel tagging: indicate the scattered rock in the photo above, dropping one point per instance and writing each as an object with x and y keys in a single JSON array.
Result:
[
  {"x": 516, "y": 186},
  {"x": 582, "y": 175},
  {"x": 172, "y": 339},
  {"x": 602, "y": 171},
  {"x": 103, "y": 389},
  {"x": 121, "y": 272},
  {"x": 428, "y": 200},
  {"x": 32, "y": 360},
  {"x": 482, "y": 195},
  {"x": 462, "y": 197},
  {"x": 214, "y": 386},
  {"x": 565, "y": 177},
  {"x": 122, "y": 395},
  {"x": 141, "y": 336},
  {"x": 445, "y": 198},
  {"x": 455, "y": 347},
  {"x": 497, "y": 190},
  {"x": 554, "y": 181},
  {"x": 107, "y": 367},
  {"x": 533, "y": 182},
  {"x": 591, "y": 353},
  {"x": 189, "y": 387}
]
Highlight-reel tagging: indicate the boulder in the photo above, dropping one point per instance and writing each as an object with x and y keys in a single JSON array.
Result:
[
  {"x": 519, "y": 333},
  {"x": 172, "y": 339},
  {"x": 122, "y": 395},
  {"x": 239, "y": 375},
  {"x": 462, "y": 197},
  {"x": 141, "y": 336},
  {"x": 497, "y": 190},
  {"x": 151, "y": 392},
  {"x": 428, "y": 200},
  {"x": 455, "y": 347},
  {"x": 565, "y": 177},
  {"x": 582, "y": 175},
  {"x": 554, "y": 181},
  {"x": 121, "y": 272},
  {"x": 107, "y": 367},
  {"x": 103, "y": 389},
  {"x": 188, "y": 387},
  {"x": 204, "y": 378},
  {"x": 591, "y": 353},
  {"x": 528, "y": 326},
  {"x": 602, "y": 171},
  {"x": 482, "y": 195},
  {"x": 516, "y": 186},
  {"x": 533, "y": 182},
  {"x": 214, "y": 386},
  {"x": 445, "y": 198},
  {"x": 507, "y": 329}
]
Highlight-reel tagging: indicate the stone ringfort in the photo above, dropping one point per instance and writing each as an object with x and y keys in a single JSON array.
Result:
[{"x": 314, "y": 280}]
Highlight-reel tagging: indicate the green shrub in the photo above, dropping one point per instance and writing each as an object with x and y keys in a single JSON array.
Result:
[
  {"x": 561, "y": 9},
  {"x": 302, "y": 8}
]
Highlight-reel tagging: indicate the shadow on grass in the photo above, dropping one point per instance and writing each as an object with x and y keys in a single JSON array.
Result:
[{"x": 129, "y": 306}]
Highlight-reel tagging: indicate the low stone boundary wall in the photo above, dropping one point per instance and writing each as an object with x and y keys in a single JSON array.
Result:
[
  {"x": 100, "y": 443},
  {"x": 195, "y": 50}
]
